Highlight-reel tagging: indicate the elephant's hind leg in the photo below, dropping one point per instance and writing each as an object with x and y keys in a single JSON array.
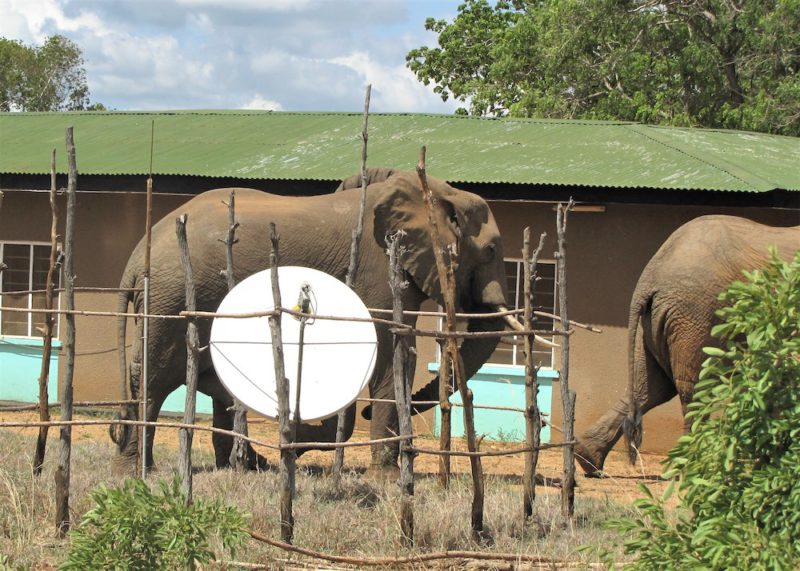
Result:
[
  {"x": 325, "y": 430},
  {"x": 209, "y": 384},
  {"x": 652, "y": 387}
]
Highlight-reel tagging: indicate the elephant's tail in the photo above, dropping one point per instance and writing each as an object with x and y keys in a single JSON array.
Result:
[
  {"x": 124, "y": 297},
  {"x": 118, "y": 433},
  {"x": 632, "y": 425}
]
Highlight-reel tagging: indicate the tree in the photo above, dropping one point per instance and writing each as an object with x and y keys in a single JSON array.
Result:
[
  {"x": 709, "y": 63},
  {"x": 50, "y": 77},
  {"x": 736, "y": 471}
]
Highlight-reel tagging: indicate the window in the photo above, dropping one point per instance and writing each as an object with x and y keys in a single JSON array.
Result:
[
  {"x": 26, "y": 270},
  {"x": 544, "y": 299}
]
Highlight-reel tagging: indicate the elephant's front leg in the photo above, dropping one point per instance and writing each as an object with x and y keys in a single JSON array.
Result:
[{"x": 384, "y": 424}]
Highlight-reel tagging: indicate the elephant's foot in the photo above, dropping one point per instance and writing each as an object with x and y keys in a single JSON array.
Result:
[
  {"x": 590, "y": 461},
  {"x": 384, "y": 463},
  {"x": 253, "y": 460},
  {"x": 380, "y": 473},
  {"x": 123, "y": 466},
  {"x": 126, "y": 466}
]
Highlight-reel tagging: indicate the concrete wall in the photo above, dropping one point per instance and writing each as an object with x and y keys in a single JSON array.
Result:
[
  {"x": 108, "y": 226},
  {"x": 606, "y": 253}
]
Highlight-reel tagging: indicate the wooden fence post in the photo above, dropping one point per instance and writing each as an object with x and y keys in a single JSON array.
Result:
[
  {"x": 567, "y": 396},
  {"x": 145, "y": 375},
  {"x": 192, "y": 351},
  {"x": 449, "y": 295},
  {"x": 352, "y": 271},
  {"x": 238, "y": 458},
  {"x": 403, "y": 363},
  {"x": 62, "y": 475},
  {"x": 446, "y": 411},
  {"x": 47, "y": 348},
  {"x": 287, "y": 436},
  {"x": 533, "y": 424}
]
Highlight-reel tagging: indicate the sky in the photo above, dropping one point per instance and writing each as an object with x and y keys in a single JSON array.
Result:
[{"x": 284, "y": 55}]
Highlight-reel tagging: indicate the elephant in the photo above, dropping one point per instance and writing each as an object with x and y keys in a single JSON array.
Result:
[
  {"x": 315, "y": 232},
  {"x": 671, "y": 315}
]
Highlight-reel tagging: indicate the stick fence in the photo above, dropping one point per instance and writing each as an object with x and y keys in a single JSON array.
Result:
[{"x": 403, "y": 363}]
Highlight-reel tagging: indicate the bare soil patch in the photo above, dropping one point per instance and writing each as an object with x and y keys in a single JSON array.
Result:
[{"x": 621, "y": 484}]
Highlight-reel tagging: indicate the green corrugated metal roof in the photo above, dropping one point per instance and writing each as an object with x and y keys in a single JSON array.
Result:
[{"x": 327, "y": 146}]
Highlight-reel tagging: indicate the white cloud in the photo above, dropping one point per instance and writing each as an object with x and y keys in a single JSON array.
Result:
[
  {"x": 394, "y": 87},
  {"x": 253, "y": 5},
  {"x": 31, "y": 20},
  {"x": 259, "y": 102},
  {"x": 303, "y": 54}
]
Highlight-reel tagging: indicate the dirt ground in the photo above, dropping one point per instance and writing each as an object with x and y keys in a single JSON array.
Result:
[{"x": 621, "y": 485}]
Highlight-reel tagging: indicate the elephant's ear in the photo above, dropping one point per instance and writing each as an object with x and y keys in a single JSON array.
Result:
[
  {"x": 400, "y": 207},
  {"x": 374, "y": 174}
]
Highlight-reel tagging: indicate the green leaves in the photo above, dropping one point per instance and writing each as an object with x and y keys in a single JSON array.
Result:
[
  {"x": 132, "y": 528},
  {"x": 736, "y": 471},
  {"x": 49, "y": 77},
  {"x": 713, "y": 64}
]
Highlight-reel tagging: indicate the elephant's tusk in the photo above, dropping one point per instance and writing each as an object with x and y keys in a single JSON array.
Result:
[{"x": 517, "y": 326}]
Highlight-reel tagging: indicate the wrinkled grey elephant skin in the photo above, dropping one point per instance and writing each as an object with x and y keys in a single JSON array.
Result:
[
  {"x": 671, "y": 316},
  {"x": 314, "y": 232}
]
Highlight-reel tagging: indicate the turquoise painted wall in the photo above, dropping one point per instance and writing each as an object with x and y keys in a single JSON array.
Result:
[
  {"x": 501, "y": 385},
  {"x": 177, "y": 398},
  {"x": 21, "y": 363},
  {"x": 20, "y": 366}
]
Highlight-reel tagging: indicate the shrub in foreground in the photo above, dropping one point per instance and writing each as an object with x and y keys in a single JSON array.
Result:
[
  {"x": 735, "y": 473},
  {"x": 133, "y": 528}
]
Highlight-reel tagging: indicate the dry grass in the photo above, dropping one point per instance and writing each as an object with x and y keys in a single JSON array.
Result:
[{"x": 358, "y": 518}]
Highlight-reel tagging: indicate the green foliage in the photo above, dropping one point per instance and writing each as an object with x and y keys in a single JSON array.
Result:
[
  {"x": 49, "y": 77},
  {"x": 133, "y": 528},
  {"x": 738, "y": 492},
  {"x": 719, "y": 63}
]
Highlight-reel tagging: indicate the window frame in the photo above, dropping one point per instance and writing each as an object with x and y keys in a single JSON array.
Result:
[
  {"x": 517, "y": 359},
  {"x": 31, "y": 332}
]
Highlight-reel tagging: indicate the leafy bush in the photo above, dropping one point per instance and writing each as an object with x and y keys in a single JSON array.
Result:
[
  {"x": 737, "y": 469},
  {"x": 133, "y": 528}
]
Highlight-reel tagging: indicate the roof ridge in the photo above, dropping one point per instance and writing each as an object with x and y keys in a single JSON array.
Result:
[{"x": 737, "y": 172}]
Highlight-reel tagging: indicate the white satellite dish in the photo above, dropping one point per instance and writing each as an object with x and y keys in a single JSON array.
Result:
[{"x": 338, "y": 356}]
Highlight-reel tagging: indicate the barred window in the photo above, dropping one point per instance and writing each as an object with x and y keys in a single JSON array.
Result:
[
  {"x": 26, "y": 270},
  {"x": 544, "y": 299}
]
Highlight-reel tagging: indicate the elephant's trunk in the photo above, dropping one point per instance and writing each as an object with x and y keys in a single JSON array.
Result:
[{"x": 473, "y": 353}]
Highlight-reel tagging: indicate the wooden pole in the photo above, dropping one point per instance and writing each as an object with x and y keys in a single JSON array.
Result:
[
  {"x": 287, "y": 436},
  {"x": 44, "y": 374},
  {"x": 148, "y": 233},
  {"x": 445, "y": 410},
  {"x": 403, "y": 363},
  {"x": 2, "y": 265},
  {"x": 448, "y": 285},
  {"x": 567, "y": 396},
  {"x": 446, "y": 347},
  {"x": 192, "y": 371},
  {"x": 533, "y": 425},
  {"x": 352, "y": 269},
  {"x": 238, "y": 458},
  {"x": 62, "y": 475}
]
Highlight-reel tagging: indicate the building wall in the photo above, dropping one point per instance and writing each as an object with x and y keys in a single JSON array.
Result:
[
  {"x": 606, "y": 253},
  {"x": 107, "y": 227}
]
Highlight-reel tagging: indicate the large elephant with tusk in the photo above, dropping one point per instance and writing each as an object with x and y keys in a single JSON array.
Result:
[{"x": 314, "y": 232}]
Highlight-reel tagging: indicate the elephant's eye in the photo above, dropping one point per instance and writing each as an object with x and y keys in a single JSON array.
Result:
[{"x": 489, "y": 251}]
